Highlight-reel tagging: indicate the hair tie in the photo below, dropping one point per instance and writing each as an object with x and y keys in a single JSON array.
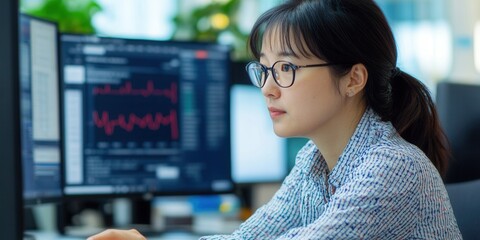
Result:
[{"x": 395, "y": 72}]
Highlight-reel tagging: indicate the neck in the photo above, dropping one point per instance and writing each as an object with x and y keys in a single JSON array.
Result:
[{"x": 334, "y": 136}]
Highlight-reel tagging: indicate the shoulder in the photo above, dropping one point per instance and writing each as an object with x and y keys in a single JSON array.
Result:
[
  {"x": 391, "y": 163},
  {"x": 394, "y": 153}
]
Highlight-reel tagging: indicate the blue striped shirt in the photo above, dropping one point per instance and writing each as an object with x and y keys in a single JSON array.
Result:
[{"x": 381, "y": 188}]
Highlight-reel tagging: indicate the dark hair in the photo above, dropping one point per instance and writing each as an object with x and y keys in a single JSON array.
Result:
[{"x": 356, "y": 31}]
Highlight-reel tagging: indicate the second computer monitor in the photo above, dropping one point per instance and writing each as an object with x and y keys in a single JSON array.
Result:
[
  {"x": 459, "y": 113},
  {"x": 145, "y": 117},
  {"x": 258, "y": 155},
  {"x": 39, "y": 110}
]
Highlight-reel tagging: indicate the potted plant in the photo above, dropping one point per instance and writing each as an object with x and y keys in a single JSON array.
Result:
[{"x": 71, "y": 16}]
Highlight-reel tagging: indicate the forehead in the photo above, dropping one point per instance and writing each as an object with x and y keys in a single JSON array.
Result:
[{"x": 284, "y": 40}]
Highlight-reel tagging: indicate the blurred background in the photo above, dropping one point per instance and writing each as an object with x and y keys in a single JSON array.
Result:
[
  {"x": 438, "y": 42},
  {"x": 437, "y": 39}
]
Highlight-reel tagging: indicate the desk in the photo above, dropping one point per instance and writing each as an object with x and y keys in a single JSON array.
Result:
[
  {"x": 165, "y": 236},
  {"x": 203, "y": 225}
]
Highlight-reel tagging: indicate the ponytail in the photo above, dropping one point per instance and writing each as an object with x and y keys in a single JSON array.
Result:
[{"x": 415, "y": 117}]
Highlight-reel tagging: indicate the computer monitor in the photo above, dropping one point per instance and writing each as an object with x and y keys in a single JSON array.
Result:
[
  {"x": 258, "y": 155},
  {"x": 145, "y": 117},
  {"x": 459, "y": 111},
  {"x": 39, "y": 110},
  {"x": 10, "y": 173}
]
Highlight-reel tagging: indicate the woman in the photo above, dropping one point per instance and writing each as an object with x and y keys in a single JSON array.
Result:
[{"x": 372, "y": 168}]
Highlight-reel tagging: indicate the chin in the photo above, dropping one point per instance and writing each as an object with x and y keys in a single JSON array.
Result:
[{"x": 283, "y": 132}]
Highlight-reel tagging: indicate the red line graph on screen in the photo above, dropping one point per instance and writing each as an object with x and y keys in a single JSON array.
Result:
[
  {"x": 149, "y": 121},
  {"x": 149, "y": 90}
]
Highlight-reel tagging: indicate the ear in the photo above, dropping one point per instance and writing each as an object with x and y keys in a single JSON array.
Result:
[{"x": 355, "y": 80}]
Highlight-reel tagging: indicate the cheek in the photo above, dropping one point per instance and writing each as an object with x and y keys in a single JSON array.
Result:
[
  {"x": 320, "y": 102},
  {"x": 316, "y": 105}
]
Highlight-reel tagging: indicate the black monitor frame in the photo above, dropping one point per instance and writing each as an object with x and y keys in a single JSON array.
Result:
[
  {"x": 28, "y": 202},
  {"x": 135, "y": 195},
  {"x": 11, "y": 222}
]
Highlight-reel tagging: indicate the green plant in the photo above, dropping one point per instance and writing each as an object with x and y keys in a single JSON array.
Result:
[
  {"x": 210, "y": 22},
  {"x": 72, "y": 16}
]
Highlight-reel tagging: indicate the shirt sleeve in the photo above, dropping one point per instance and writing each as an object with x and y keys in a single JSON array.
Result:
[
  {"x": 275, "y": 218},
  {"x": 379, "y": 200}
]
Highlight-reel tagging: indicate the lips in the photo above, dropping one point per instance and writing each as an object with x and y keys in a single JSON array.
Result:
[{"x": 276, "y": 112}]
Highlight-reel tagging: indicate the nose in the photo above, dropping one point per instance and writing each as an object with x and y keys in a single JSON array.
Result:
[{"x": 271, "y": 89}]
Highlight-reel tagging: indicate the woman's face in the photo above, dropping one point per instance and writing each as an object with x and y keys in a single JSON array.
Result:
[{"x": 304, "y": 108}]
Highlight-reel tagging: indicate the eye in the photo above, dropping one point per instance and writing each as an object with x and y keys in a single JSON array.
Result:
[{"x": 286, "y": 67}]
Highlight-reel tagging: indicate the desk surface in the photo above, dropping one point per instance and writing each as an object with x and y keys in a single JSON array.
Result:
[{"x": 165, "y": 236}]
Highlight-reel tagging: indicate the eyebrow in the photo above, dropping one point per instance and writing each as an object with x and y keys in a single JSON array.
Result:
[
  {"x": 282, "y": 54},
  {"x": 286, "y": 54}
]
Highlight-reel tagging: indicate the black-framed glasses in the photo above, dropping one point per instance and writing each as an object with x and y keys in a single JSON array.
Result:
[{"x": 283, "y": 72}]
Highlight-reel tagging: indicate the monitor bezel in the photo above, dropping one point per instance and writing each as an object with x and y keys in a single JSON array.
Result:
[{"x": 11, "y": 223}]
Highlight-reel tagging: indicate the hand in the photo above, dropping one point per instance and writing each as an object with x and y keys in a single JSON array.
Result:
[{"x": 113, "y": 234}]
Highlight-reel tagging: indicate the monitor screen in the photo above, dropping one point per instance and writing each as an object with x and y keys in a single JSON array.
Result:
[
  {"x": 258, "y": 155},
  {"x": 39, "y": 110},
  {"x": 459, "y": 111},
  {"x": 145, "y": 117}
]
